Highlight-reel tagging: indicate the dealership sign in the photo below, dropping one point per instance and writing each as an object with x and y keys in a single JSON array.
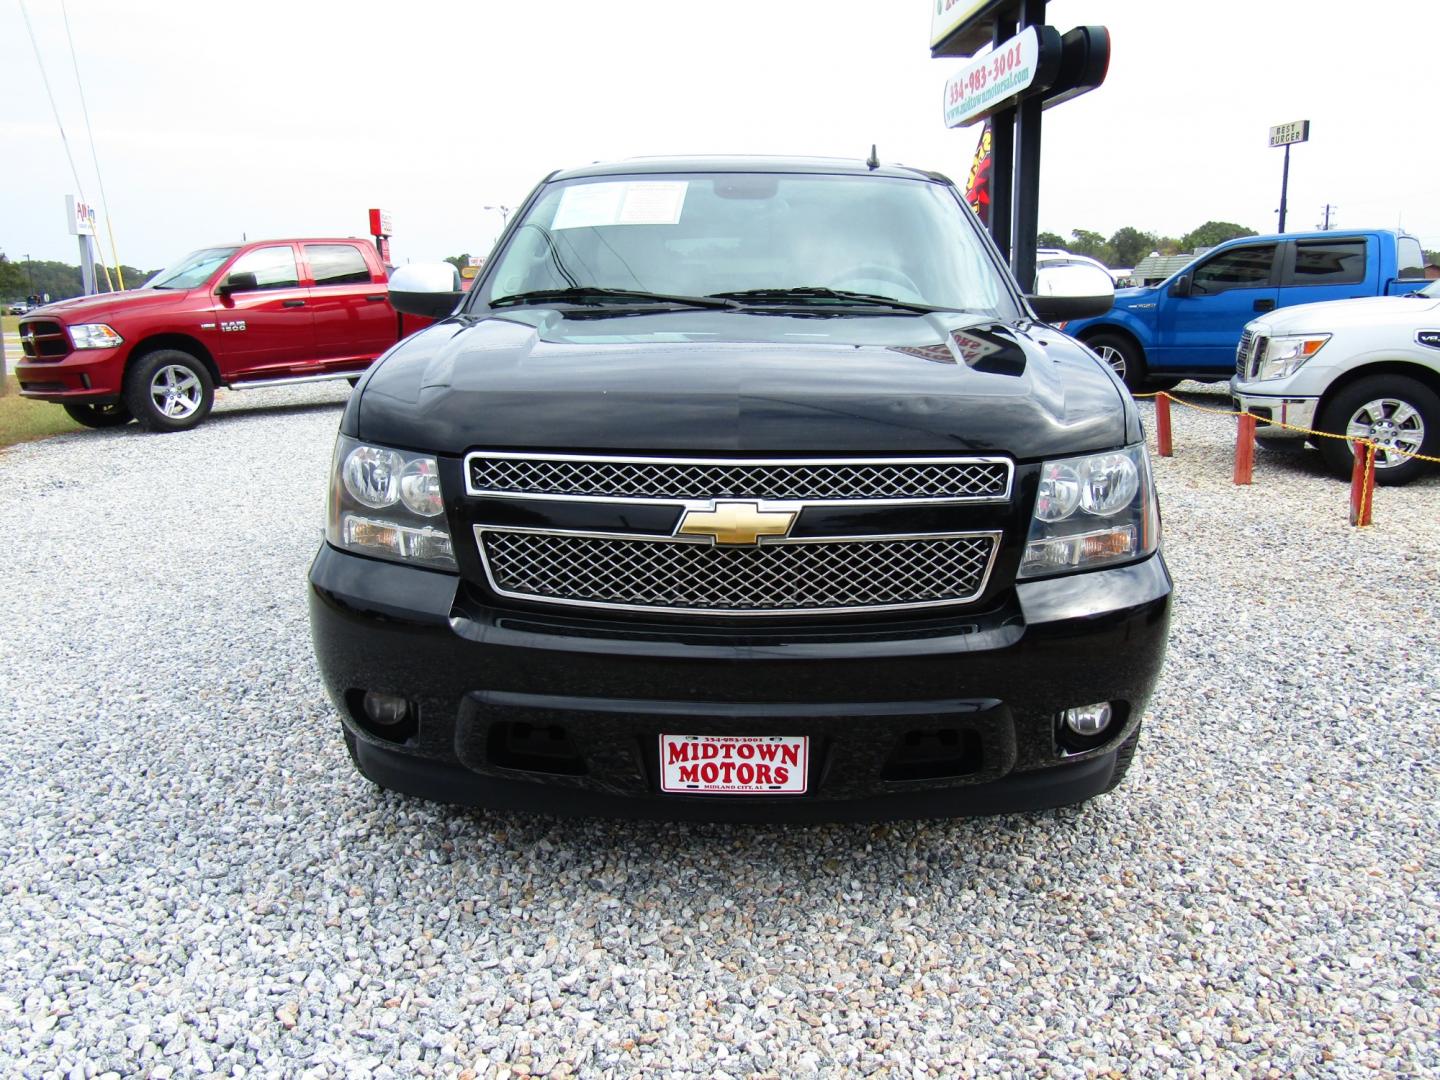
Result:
[
  {"x": 1285, "y": 134},
  {"x": 81, "y": 217},
  {"x": 1025, "y": 64}
]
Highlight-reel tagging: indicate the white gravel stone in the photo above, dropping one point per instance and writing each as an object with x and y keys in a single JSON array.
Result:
[{"x": 194, "y": 882}]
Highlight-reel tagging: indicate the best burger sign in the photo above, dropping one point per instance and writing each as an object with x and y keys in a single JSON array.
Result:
[{"x": 734, "y": 764}]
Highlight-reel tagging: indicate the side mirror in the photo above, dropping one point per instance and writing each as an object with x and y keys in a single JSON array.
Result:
[
  {"x": 1182, "y": 286},
  {"x": 431, "y": 290},
  {"x": 238, "y": 283},
  {"x": 1073, "y": 291}
]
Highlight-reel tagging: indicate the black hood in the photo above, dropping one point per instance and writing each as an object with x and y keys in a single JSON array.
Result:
[{"x": 742, "y": 383}]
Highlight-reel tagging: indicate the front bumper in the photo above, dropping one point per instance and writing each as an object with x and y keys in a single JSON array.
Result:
[
  {"x": 93, "y": 376},
  {"x": 907, "y": 717},
  {"x": 1291, "y": 410}
]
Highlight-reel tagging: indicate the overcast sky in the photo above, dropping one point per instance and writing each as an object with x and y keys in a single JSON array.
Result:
[{"x": 285, "y": 119}]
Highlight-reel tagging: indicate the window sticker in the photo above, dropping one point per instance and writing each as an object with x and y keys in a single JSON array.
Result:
[{"x": 635, "y": 202}]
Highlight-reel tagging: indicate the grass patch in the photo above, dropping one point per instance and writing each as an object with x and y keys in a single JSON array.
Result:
[
  {"x": 23, "y": 420},
  {"x": 10, "y": 324}
]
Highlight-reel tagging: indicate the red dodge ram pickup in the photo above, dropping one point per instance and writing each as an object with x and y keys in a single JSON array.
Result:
[{"x": 246, "y": 315}]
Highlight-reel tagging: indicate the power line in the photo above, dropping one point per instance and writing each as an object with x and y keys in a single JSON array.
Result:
[
  {"x": 94, "y": 157},
  {"x": 53, "y": 107}
]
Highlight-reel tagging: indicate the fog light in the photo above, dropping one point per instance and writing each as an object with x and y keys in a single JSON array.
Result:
[
  {"x": 1086, "y": 720},
  {"x": 386, "y": 710}
]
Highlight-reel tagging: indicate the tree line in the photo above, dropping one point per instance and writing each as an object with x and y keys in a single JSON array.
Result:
[
  {"x": 1129, "y": 245},
  {"x": 36, "y": 277}
]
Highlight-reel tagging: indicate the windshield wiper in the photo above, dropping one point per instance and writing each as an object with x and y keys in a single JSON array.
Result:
[
  {"x": 594, "y": 294},
  {"x": 818, "y": 292}
]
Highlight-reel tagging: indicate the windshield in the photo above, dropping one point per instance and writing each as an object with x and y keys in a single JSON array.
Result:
[
  {"x": 733, "y": 233},
  {"x": 195, "y": 269},
  {"x": 1432, "y": 290}
]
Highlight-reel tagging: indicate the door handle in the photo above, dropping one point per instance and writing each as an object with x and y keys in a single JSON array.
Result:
[
  {"x": 1264, "y": 305},
  {"x": 375, "y": 299},
  {"x": 292, "y": 303}
]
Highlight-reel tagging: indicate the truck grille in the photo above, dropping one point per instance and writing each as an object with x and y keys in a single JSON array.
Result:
[
  {"x": 651, "y": 479},
  {"x": 784, "y": 578},
  {"x": 44, "y": 340},
  {"x": 1248, "y": 354}
]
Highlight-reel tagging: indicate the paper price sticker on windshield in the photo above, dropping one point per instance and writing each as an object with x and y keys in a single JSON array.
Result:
[
  {"x": 636, "y": 202},
  {"x": 734, "y": 764}
]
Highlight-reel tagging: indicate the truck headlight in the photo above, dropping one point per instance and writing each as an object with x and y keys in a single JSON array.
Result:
[
  {"x": 1285, "y": 355},
  {"x": 94, "y": 336},
  {"x": 1092, "y": 511},
  {"x": 387, "y": 503}
]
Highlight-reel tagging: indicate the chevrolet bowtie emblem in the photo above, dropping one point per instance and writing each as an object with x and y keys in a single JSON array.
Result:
[{"x": 736, "y": 523}]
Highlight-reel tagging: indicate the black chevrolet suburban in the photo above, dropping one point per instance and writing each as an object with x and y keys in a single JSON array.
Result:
[{"x": 741, "y": 489}]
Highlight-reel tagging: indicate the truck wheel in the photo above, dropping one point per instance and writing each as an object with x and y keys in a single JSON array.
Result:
[
  {"x": 1395, "y": 412},
  {"x": 99, "y": 416},
  {"x": 1123, "y": 356},
  {"x": 169, "y": 390}
]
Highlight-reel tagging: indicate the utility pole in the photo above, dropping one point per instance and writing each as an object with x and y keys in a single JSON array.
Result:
[
  {"x": 29, "y": 279},
  {"x": 1328, "y": 208}
]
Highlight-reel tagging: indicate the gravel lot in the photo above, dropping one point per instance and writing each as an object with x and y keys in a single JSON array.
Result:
[{"x": 193, "y": 881}]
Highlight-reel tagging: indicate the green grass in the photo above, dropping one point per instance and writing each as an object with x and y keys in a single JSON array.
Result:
[{"x": 22, "y": 420}]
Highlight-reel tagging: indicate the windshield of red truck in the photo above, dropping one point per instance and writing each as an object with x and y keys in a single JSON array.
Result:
[
  {"x": 195, "y": 269},
  {"x": 732, "y": 234}
]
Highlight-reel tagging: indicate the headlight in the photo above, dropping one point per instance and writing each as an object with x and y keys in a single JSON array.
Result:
[
  {"x": 1092, "y": 511},
  {"x": 94, "y": 336},
  {"x": 387, "y": 504},
  {"x": 1285, "y": 355}
]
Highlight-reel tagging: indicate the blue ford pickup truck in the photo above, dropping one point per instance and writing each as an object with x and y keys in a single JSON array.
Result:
[{"x": 1188, "y": 326}]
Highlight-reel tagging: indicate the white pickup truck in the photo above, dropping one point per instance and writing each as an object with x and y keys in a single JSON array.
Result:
[{"x": 1367, "y": 369}]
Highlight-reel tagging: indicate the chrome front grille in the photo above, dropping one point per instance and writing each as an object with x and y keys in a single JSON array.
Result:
[
  {"x": 782, "y": 578},
  {"x": 1242, "y": 353},
  {"x": 679, "y": 479},
  {"x": 1248, "y": 354}
]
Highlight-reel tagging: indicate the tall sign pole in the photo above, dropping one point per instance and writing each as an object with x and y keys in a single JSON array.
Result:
[
  {"x": 1026, "y": 224},
  {"x": 381, "y": 229},
  {"x": 1287, "y": 135},
  {"x": 81, "y": 219},
  {"x": 1029, "y": 67},
  {"x": 1002, "y": 154}
]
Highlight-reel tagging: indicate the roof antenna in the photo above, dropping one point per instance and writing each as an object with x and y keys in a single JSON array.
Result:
[{"x": 873, "y": 162}]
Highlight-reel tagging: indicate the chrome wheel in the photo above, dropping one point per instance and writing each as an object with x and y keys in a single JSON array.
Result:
[
  {"x": 176, "y": 392},
  {"x": 1395, "y": 427},
  {"x": 1114, "y": 357}
]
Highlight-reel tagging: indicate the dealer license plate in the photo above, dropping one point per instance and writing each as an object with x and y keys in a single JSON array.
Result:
[{"x": 734, "y": 764}]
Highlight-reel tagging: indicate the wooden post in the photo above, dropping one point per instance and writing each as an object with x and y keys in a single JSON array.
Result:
[
  {"x": 1245, "y": 449},
  {"x": 1162, "y": 424},
  {"x": 1362, "y": 484}
]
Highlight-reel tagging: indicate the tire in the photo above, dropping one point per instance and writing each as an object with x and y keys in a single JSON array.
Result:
[
  {"x": 1124, "y": 758},
  {"x": 99, "y": 416},
  {"x": 1123, "y": 356},
  {"x": 1395, "y": 411},
  {"x": 169, "y": 390}
]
